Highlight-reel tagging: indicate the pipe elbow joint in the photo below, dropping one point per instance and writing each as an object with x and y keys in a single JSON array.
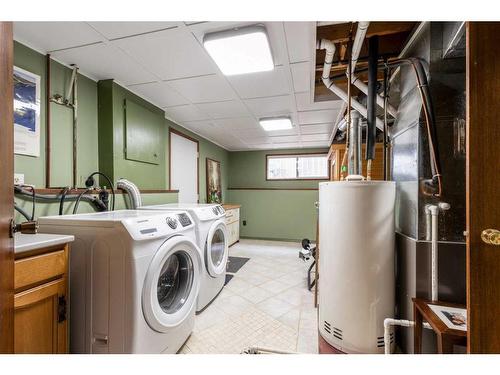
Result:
[{"x": 326, "y": 44}]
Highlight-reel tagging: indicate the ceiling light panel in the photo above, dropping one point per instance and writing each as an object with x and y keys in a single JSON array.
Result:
[
  {"x": 240, "y": 51},
  {"x": 273, "y": 124}
]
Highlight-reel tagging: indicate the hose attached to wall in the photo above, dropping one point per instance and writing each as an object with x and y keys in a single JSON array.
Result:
[
  {"x": 90, "y": 182},
  {"x": 95, "y": 202},
  {"x": 132, "y": 191},
  {"x": 61, "y": 203},
  {"x": 78, "y": 199}
]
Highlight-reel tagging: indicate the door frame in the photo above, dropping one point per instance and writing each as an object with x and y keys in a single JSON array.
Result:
[
  {"x": 177, "y": 132},
  {"x": 482, "y": 134},
  {"x": 6, "y": 188}
]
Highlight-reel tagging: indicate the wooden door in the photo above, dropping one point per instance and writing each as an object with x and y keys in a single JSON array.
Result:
[
  {"x": 6, "y": 189},
  {"x": 483, "y": 187},
  {"x": 36, "y": 319}
]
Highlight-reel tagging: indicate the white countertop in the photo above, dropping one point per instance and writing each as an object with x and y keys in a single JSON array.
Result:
[{"x": 27, "y": 242}]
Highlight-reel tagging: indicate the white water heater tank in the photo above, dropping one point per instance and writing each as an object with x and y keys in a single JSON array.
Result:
[{"x": 356, "y": 263}]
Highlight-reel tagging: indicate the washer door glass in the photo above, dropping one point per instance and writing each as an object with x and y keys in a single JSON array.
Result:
[
  {"x": 216, "y": 249},
  {"x": 171, "y": 284},
  {"x": 175, "y": 282}
]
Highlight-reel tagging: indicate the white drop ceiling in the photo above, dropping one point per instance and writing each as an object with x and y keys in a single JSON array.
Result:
[{"x": 165, "y": 63}]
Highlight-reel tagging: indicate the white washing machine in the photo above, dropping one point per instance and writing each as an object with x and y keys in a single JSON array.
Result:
[
  {"x": 212, "y": 240},
  {"x": 134, "y": 280}
]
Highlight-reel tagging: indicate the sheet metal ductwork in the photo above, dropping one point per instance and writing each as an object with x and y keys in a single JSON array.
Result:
[{"x": 410, "y": 166}]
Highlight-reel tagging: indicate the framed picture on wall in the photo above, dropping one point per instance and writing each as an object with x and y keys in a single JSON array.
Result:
[
  {"x": 214, "y": 186},
  {"x": 26, "y": 112}
]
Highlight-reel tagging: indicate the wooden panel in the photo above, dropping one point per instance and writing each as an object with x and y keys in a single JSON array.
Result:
[
  {"x": 6, "y": 193},
  {"x": 34, "y": 270},
  {"x": 337, "y": 152},
  {"x": 483, "y": 205},
  {"x": 36, "y": 325}
]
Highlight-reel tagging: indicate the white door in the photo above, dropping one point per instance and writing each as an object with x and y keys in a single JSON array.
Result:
[{"x": 184, "y": 168}]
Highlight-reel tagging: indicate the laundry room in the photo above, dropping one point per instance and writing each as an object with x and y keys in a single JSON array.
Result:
[{"x": 264, "y": 185}]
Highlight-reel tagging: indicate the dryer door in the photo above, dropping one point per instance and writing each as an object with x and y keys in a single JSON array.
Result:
[
  {"x": 216, "y": 249},
  {"x": 172, "y": 283}
]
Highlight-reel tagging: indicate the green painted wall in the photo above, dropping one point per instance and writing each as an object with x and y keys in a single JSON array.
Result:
[
  {"x": 212, "y": 151},
  {"x": 61, "y": 124},
  {"x": 112, "y": 159},
  {"x": 284, "y": 214}
]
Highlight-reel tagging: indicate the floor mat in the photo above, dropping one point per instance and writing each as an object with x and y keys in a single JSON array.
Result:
[
  {"x": 228, "y": 279},
  {"x": 235, "y": 263}
]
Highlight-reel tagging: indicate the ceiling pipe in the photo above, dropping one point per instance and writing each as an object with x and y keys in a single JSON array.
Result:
[
  {"x": 329, "y": 46},
  {"x": 363, "y": 87}
]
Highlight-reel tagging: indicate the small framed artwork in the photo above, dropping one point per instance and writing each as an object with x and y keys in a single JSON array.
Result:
[
  {"x": 26, "y": 112},
  {"x": 214, "y": 185}
]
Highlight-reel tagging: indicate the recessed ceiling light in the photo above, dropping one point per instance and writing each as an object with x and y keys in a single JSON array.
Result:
[
  {"x": 275, "y": 123},
  {"x": 240, "y": 51}
]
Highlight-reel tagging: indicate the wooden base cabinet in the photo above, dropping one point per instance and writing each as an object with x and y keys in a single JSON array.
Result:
[
  {"x": 40, "y": 303},
  {"x": 232, "y": 223}
]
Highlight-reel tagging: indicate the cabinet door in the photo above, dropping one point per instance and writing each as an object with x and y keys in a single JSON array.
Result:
[{"x": 36, "y": 319}]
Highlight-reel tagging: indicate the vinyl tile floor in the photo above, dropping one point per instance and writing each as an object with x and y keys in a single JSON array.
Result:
[{"x": 266, "y": 304}]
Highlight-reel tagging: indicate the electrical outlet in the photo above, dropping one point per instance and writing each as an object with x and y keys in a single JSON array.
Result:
[{"x": 18, "y": 178}]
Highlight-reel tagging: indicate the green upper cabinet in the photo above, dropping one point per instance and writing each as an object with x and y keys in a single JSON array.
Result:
[{"x": 143, "y": 130}]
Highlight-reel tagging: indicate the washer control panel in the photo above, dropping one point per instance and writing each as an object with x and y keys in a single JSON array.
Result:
[
  {"x": 184, "y": 219},
  {"x": 158, "y": 225},
  {"x": 210, "y": 212}
]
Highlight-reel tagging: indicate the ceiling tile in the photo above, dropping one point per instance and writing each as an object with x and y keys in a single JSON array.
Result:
[
  {"x": 301, "y": 75},
  {"x": 159, "y": 93},
  {"x": 285, "y": 138},
  {"x": 170, "y": 54},
  {"x": 287, "y": 145},
  {"x": 300, "y": 38},
  {"x": 50, "y": 36},
  {"x": 305, "y": 103},
  {"x": 261, "y": 84},
  {"x": 183, "y": 113},
  {"x": 225, "y": 109},
  {"x": 315, "y": 143},
  {"x": 238, "y": 123},
  {"x": 251, "y": 133},
  {"x": 200, "y": 125},
  {"x": 271, "y": 106},
  {"x": 204, "y": 89},
  {"x": 316, "y": 128},
  {"x": 113, "y": 30},
  {"x": 317, "y": 117},
  {"x": 103, "y": 61},
  {"x": 257, "y": 141},
  {"x": 315, "y": 137}
]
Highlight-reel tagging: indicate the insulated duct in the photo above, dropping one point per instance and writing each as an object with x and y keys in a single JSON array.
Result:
[
  {"x": 132, "y": 191},
  {"x": 371, "y": 131}
]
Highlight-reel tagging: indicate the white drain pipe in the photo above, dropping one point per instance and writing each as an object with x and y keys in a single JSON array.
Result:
[
  {"x": 389, "y": 322},
  {"x": 363, "y": 87},
  {"x": 433, "y": 210},
  {"x": 329, "y": 46}
]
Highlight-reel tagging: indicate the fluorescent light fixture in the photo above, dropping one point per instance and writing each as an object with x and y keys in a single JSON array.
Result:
[
  {"x": 275, "y": 123},
  {"x": 240, "y": 51}
]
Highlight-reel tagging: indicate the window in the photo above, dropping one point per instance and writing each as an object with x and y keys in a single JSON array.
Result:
[{"x": 297, "y": 167}]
